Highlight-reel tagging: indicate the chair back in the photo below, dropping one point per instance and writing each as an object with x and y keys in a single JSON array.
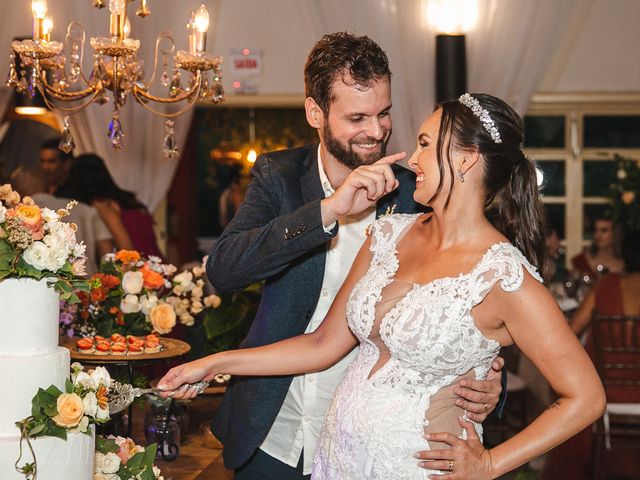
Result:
[{"x": 616, "y": 340}]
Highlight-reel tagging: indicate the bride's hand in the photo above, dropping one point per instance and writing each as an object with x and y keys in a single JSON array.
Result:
[
  {"x": 192, "y": 372},
  {"x": 466, "y": 459}
]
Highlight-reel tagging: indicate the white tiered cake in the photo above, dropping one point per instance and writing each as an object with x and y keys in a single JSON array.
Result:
[{"x": 30, "y": 358}]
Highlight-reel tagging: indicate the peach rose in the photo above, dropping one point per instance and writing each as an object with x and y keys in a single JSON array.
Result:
[
  {"x": 31, "y": 217},
  {"x": 70, "y": 410},
  {"x": 151, "y": 280},
  {"x": 163, "y": 318}
]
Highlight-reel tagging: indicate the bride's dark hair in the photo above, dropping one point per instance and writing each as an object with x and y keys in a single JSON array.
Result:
[{"x": 511, "y": 191}]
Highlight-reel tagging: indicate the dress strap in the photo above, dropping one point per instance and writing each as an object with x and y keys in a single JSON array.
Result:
[
  {"x": 502, "y": 263},
  {"x": 387, "y": 230}
]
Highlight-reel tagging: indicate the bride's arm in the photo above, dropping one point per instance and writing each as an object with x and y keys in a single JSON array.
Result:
[
  {"x": 534, "y": 322},
  {"x": 310, "y": 352}
]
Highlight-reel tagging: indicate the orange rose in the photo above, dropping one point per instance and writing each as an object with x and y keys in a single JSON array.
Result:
[
  {"x": 70, "y": 410},
  {"x": 163, "y": 318},
  {"x": 127, "y": 256},
  {"x": 151, "y": 280},
  {"x": 101, "y": 396},
  {"x": 31, "y": 217}
]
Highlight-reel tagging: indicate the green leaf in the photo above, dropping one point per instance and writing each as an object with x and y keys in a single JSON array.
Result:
[
  {"x": 136, "y": 461},
  {"x": 68, "y": 386},
  {"x": 106, "y": 445},
  {"x": 147, "y": 475},
  {"x": 33, "y": 432},
  {"x": 150, "y": 454}
]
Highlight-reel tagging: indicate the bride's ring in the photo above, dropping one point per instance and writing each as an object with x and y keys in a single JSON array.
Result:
[{"x": 451, "y": 465}]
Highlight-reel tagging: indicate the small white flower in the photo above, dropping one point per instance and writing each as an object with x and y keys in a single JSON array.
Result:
[
  {"x": 49, "y": 215},
  {"x": 3, "y": 212},
  {"x": 90, "y": 404},
  {"x": 130, "y": 304},
  {"x": 102, "y": 414},
  {"x": 183, "y": 278},
  {"x": 198, "y": 271},
  {"x": 621, "y": 174},
  {"x": 82, "y": 426},
  {"x": 109, "y": 257},
  {"x": 132, "y": 282},
  {"x": 147, "y": 302},
  {"x": 186, "y": 319},
  {"x": 196, "y": 307},
  {"x": 85, "y": 380},
  {"x": 213, "y": 301}
]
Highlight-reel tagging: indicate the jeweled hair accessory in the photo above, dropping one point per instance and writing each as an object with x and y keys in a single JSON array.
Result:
[{"x": 487, "y": 122}]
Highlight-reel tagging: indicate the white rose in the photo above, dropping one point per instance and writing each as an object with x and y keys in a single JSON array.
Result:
[
  {"x": 49, "y": 215},
  {"x": 148, "y": 302},
  {"x": 109, "y": 257},
  {"x": 37, "y": 255},
  {"x": 169, "y": 269},
  {"x": 132, "y": 282},
  {"x": 130, "y": 304},
  {"x": 58, "y": 255},
  {"x": 83, "y": 379},
  {"x": 101, "y": 376},
  {"x": 110, "y": 463},
  {"x": 90, "y": 404},
  {"x": 3, "y": 212}
]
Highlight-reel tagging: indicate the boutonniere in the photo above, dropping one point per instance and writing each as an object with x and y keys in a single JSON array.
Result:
[{"x": 389, "y": 211}]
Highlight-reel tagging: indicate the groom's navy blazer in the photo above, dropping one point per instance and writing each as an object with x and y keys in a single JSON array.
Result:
[{"x": 277, "y": 236}]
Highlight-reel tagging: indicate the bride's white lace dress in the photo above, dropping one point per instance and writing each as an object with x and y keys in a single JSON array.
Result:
[{"x": 416, "y": 341}]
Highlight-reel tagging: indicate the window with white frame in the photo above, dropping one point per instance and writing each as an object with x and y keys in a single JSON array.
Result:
[{"x": 572, "y": 139}]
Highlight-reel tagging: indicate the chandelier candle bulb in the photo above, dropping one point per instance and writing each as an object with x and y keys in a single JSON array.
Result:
[
  {"x": 47, "y": 26},
  {"x": 191, "y": 29},
  {"x": 39, "y": 11},
  {"x": 201, "y": 24},
  {"x": 117, "y": 19}
]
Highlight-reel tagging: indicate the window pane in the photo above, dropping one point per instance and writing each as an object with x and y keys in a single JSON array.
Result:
[
  {"x": 591, "y": 214},
  {"x": 552, "y": 182},
  {"x": 544, "y": 131},
  {"x": 613, "y": 132},
  {"x": 598, "y": 175},
  {"x": 555, "y": 217}
]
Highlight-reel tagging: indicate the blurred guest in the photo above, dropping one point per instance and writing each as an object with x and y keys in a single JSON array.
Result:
[
  {"x": 604, "y": 254},
  {"x": 554, "y": 270},
  {"x": 91, "y": 229},
  {"x": 55, "y": 164},
  {"x": 614, "y": 294},
  {"x": 232, "y": 196},
  {"x": 130, "y": 222}
]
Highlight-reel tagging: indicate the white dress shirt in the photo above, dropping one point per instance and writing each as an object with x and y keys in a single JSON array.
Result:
[{"x": 301, "y": 416}]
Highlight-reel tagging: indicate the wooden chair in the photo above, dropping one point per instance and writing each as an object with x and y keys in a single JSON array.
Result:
[{"x": 616, "y": 341}]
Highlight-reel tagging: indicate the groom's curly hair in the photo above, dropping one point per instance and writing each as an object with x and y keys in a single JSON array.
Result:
[{"x": 357, "y": 60}]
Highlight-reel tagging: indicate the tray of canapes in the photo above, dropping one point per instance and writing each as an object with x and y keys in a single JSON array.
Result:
[{"x": 119, "y": 347}]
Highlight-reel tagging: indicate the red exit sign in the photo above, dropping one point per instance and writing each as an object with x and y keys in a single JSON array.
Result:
[{"x": 246, "y": 61}]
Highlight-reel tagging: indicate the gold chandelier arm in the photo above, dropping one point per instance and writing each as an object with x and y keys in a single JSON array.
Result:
[
  {"x": 141, "y": 96},
  {"x": 59, "y": 95},
  {"x": 66, "y": 110},
  {"x": 162, "y": 36}
]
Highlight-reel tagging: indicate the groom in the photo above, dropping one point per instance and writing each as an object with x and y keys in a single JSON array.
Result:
[{"x": 299, "y": 229}]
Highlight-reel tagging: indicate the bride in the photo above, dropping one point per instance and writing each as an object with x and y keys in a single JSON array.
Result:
[{"x": 422, "y": 324}]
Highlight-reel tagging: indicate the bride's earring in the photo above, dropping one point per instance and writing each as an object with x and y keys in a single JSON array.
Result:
[{"x": 461, "y": 176}]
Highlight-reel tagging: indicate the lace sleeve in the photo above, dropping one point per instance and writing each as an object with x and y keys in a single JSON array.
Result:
[{"x": 503, "y": 264}]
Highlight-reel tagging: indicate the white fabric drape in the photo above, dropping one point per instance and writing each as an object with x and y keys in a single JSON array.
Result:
[
  {"x": 140, "y": 166},
  {"x": 508, "y": 53}
]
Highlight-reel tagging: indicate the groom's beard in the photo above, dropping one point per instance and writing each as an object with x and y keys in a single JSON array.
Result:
[{"x": 345, "y": 153}]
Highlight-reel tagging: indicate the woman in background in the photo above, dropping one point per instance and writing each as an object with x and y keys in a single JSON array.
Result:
[
  {"x": 604, "y": 254},
  {"x": 128, "y": 219}
]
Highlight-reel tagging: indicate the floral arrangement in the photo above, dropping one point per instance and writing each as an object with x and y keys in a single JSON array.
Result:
[
  {"x": 136, "y": 295},
  {"x": 56, "y": 413},
  {"x": 119, "y": 458},
  {"x": 35, "y": 243},
  {"x": 625, "y": 193}
]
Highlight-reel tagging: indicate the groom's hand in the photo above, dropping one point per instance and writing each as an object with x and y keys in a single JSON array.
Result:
[
  {"x": 361, "y": 189},
  {"x": 480, "y": 397}
]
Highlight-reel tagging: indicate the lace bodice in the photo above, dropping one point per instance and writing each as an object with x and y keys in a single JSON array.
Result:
[{"x": 415, "y": 341}]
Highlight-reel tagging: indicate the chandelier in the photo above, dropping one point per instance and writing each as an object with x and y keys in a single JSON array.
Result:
[{"x": 38, "y": 64}]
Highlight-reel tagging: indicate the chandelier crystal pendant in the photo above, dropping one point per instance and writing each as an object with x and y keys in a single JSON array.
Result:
[{"x": 117, "y": 72}]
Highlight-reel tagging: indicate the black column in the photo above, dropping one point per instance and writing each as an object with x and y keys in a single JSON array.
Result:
[{"x": 451, "y": 67}]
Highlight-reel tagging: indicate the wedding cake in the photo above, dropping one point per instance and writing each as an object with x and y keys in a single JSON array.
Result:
[{"x": 30, "y": 358}]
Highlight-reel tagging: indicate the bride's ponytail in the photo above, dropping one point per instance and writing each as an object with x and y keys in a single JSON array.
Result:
[
  {"x": 520, "y": 216},
  {"x": 487, "y": 125}
]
